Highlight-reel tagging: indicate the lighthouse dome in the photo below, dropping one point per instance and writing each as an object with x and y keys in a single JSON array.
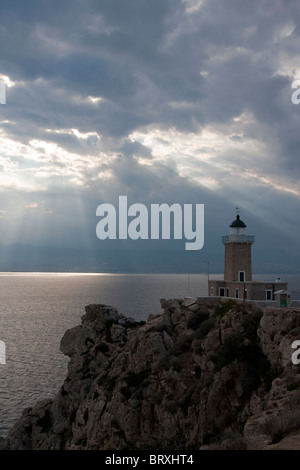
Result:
[{"x": 238, "y": 223}]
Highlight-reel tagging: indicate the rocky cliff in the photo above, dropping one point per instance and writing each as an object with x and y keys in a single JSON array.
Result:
[{"x": 204, "y": 374}]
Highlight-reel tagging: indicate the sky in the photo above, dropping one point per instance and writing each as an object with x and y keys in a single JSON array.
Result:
[{"x": 164, "y": 101}]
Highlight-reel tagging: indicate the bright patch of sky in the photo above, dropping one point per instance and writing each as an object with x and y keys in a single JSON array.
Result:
[{"x": 139, "y": 97}]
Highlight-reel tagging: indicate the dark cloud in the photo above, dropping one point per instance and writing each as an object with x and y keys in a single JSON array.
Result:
[{"x": 194, "y": 104}]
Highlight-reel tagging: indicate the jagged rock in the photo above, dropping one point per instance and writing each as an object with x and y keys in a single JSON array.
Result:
[
  {"x": 204, "y": 374},
  {"x": 278, "y": 329},
  {"x": 189, "y": 301}
]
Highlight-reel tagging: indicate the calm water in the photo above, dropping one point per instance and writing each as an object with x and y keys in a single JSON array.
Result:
[{"x": 36, "y": 310}]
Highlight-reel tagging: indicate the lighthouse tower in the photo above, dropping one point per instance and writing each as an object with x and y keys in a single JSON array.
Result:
[
  {"x": 238, "y": 264},
  {"x": 237, "y": 282}
]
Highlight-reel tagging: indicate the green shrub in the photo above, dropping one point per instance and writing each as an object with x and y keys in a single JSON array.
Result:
[
  {"x": 205, "y": 328},
  {"x": 230, "y": 350},
  {"x": 196, "y": 319},
  {"x": 293, "y": 386},
  {"x": 258, "y": 367},
  {"x": 294, "y": 331},
  {"x": 182, "y": 345},
  {"x": 224, "y": 307},
  {"x": 250, "y": 324}
]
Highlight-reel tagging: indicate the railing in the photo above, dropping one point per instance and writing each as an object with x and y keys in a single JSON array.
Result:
[{"x": 238, "y": 238}]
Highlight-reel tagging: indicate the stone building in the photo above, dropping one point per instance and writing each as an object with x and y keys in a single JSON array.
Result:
[{"x": 238, "y": 281}]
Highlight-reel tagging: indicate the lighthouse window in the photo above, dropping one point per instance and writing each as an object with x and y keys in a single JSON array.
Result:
[
  {"x": 236, "y": 293},
  {"x": 221, "y": 292},
  {"x": 242, "y": 276}
]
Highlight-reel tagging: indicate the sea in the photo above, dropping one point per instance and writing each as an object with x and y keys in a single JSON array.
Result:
[{"x": 37, "y": 308}]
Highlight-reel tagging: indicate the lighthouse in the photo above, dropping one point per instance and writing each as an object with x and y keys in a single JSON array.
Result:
[
  {"x": 238, "y": 282},
  {"x": 238, "y": 263}
]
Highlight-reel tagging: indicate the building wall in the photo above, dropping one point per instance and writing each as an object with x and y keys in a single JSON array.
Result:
[
  {"x": 255, "y": 290},
  {"x": 237, "y": 258}
]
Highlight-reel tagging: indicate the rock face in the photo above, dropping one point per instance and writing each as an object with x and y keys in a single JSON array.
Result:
[{"x": 204, "y": 374}]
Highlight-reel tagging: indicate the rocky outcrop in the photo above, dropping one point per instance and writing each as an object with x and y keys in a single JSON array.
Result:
[{"x": 204, "y": 374}]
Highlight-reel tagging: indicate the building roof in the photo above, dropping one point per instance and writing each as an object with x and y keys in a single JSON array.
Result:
[{"x": 238, "y": 222}]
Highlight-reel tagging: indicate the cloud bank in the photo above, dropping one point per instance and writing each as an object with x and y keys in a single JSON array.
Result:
[{"x": 185, "y": 101}]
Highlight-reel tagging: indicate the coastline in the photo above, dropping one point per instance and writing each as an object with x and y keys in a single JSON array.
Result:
[{"x": 126, "y": 380}]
